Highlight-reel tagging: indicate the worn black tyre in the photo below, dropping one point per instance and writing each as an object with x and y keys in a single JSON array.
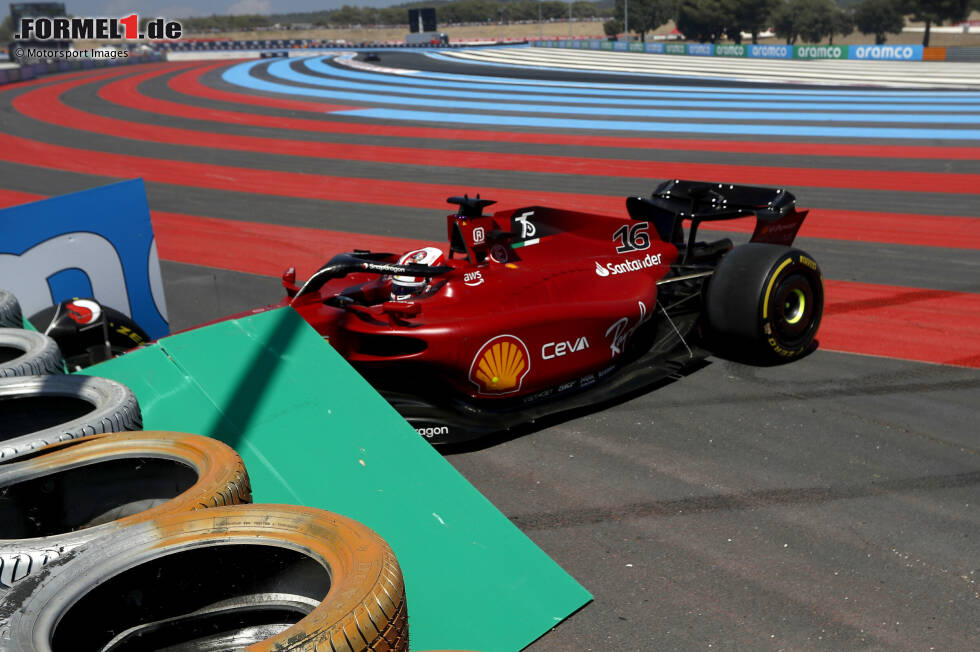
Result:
[
  {"x": 26, "y": 353},
  {"x": 39, "y": 410},
  {"x": 765, "y": 302},
  {"x": 253, "y": 577},
  {"x": 10, "y": 314},
  {"x": 65, "y": 497},
  {"x": 82, "y": 327}
]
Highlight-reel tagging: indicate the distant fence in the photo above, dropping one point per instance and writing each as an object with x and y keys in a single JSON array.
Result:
[
  {"x": 220, "y": 45},
  {"x": 775, "y": 50},
  {"x": 30, "y": 71}
]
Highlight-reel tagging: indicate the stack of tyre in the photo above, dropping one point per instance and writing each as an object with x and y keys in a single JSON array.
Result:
[{"x": 142, "y": 540}]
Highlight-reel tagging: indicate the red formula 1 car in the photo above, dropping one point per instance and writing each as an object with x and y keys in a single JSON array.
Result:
[{"x": 535, "y": 311}]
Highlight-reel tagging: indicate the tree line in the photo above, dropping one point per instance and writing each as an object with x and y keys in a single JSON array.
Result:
[{"x": 806, "y": 21}]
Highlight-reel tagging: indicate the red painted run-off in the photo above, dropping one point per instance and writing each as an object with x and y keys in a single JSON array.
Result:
[
  {"x": 897, "y": 322},
  {"x": 917, "y": 230},
  {"x": 125, "y": 92},
  {"x": 189, "y": 83}
]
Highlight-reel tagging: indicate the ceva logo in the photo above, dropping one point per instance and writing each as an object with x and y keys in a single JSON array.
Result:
[{"x": 557, "y": 349}]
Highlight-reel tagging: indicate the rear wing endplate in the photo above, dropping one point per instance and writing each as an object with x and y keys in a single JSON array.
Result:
[{"x": 777, "y": 220}]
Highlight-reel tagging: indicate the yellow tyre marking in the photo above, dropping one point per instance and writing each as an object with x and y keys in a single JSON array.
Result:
[{"x": 765, "y": 304}]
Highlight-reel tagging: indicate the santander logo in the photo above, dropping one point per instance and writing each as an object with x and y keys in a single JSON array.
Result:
[{"x": 600, "y": 270}]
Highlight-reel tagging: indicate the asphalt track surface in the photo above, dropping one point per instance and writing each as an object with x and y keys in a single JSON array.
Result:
[{"x": 827, "y": 504}]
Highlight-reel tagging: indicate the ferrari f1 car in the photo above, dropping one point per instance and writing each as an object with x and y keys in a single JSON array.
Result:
[{"x": 537, "y": 310}]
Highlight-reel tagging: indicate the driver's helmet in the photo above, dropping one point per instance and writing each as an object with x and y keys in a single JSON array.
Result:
[{"x": 406, "y": 287}]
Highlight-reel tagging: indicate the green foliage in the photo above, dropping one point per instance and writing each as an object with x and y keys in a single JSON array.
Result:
[
  {"x": 612, "y": 27},
  {"x": 879, "y": 17},
  {"x": 704, "y": 20},
  {"x": 646, "y": 15},
  {"x": 708, "y": 20},
  {"x": 6, "y": 30},
  {"x": 935, "y": 12},
  {"x": 752, "y": 16},
  {"x": 810, "y": 21},
  {"x": 454, "y": 11},
  {"x": 843, "y": 24}
]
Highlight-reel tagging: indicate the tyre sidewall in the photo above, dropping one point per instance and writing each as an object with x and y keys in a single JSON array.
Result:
[{"x": 741, "y": 299}]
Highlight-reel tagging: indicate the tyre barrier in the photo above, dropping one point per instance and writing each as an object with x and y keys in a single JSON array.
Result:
[
  {"x": 55, "y": 504},
  {"x": 258, "y": 577},
  {"x": 26, "y": 353},
  {"x": 10, "y": 314},
  {"x": 39, "y": 410}
]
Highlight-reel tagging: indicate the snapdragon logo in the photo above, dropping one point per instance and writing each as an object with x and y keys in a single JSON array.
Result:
[{"x": 611, "y": 269}]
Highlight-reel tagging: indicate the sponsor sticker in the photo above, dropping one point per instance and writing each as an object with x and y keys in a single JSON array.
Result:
[
  {"x": 729, "y": 50},
  {"x": 886, "y": 52},
  {"x": 432, "y": 431},
  {"x": 500, "y": 365},
  {"x": 819, "y": 52},
  {"x": 83, "y": 311},
  {"x": 553, "y": 350},
  {"x": 627, "y": 266},
  {"x": 620, "y": 331},
  {"x": 771, "y": 51},
  {"x": 473, "y": 278}
]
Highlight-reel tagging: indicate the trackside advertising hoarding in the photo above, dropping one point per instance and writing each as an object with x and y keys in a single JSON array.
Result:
[
  {"x": 771, "y": 51},
  {"x": 756, "y": 51},
  {"x": 700, "y": 49},
  {"x": 885, "y": 52},
  {"x": 819, "y": 52},
  {"x": 730, "y": 50}
]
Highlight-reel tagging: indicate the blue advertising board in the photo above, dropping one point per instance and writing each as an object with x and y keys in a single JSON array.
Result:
[
  {"x": 701, "y": 49},
  {"x": 885, "y": 52},
  {"x": 655, "y": 48},
  {"x": 771, "y": 51},
  {"x": 96, "y": 243}
]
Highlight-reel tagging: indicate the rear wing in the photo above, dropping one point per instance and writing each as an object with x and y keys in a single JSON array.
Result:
[{"x": 777, "y": 220}]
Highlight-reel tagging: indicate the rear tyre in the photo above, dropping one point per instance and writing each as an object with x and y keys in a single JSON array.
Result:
[
  {"x": 258, "y": 577},
  {"x": 26, "y": 353},
  {"x": 764, "y": 303},
  {"x": 10, "y": 314}
]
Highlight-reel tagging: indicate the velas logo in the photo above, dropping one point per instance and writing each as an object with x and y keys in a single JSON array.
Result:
[
  {"x": 83, "y": 311},
  {"x": 63, "y": 28},
  {"x": 501, "y": 364}
]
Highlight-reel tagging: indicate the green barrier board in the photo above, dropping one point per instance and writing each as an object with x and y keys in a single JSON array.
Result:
[
  {"x": 312, "y": 432},
  {"x": 819, "y": 52},
  {"x": 730, "y": 51},
  {"x": 675, "y": 48}
]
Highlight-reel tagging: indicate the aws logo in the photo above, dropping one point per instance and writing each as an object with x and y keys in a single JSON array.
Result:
[{"x": 500, "y": 365}]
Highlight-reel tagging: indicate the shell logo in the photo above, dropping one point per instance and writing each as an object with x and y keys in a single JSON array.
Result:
[{"x": 500, "y": 365}]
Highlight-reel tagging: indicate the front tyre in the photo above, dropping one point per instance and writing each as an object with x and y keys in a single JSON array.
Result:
[{"x": 765, "y": 301}]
